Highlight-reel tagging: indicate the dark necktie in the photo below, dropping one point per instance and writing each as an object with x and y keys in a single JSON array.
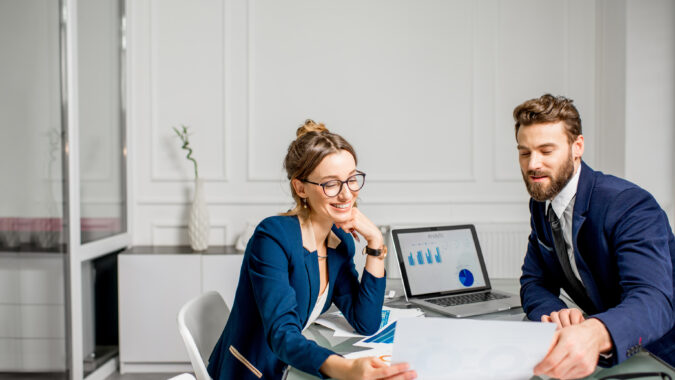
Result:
[{"x": 574, "y": 287}]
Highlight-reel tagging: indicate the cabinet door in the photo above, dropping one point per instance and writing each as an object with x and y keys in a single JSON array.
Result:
[
  {"x": 221, "y": 273},
  {"x": 152, "y": 288}
]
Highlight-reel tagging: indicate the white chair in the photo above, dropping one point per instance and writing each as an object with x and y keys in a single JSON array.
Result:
[{"x": 200, "y": 323}]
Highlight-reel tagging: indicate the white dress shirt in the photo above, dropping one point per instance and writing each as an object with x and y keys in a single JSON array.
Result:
[
  {"x": 563, "y": 206},
  {"x": 318, "y": 307}
]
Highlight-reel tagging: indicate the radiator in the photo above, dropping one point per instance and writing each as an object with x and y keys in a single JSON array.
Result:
[{"x": 504, "y": 246}]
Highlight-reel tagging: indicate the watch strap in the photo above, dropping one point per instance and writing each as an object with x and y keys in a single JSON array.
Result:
[{"x": 380, "y": 253}]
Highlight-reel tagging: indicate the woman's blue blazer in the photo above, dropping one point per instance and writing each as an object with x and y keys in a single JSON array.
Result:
[{"x": 278, "y": 287}]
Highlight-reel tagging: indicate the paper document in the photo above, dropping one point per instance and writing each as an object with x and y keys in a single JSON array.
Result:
[
  {"x": 337, "y": 322},
  {"x": 383, "y": 336},
  {"x": 444, "y": 348},
  {"x": 382, "y": 352}
]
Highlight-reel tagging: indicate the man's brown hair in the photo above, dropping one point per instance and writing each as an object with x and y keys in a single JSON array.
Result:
[{"x": 549, "y": 109}]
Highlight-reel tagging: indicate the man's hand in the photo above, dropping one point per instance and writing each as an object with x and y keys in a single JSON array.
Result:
[
  {"x": 574, "y": 350},
  {"x": 564, "y": 317}
]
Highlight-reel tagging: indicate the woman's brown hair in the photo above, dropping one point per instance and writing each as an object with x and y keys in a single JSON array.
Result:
[{"x": 313, "y": 142}]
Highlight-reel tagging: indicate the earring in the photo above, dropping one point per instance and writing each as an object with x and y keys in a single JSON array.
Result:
[{"x": 304, "y": 202}]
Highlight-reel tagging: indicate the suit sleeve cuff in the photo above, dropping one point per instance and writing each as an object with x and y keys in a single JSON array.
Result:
[
  {"x": 611, "y": 358},
  {"x": 368, "y": 279}
]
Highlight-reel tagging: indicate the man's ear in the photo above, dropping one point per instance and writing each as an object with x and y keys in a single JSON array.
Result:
[
  {"x": 578, "y": 147},
  {"x": 299, "y": 187}
]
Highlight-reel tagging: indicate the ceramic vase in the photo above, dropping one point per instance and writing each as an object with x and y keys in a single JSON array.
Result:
[{"x": 198, "y": 223}]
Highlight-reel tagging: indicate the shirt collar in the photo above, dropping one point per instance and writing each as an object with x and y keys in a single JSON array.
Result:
[{"x": 562, "y": 200}]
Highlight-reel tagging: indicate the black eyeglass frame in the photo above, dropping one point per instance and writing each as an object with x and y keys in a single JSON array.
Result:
[{"x": 342, "y": 183}]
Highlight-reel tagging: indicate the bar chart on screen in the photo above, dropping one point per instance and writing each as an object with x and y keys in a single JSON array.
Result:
[{"x": 429, "y": 255}]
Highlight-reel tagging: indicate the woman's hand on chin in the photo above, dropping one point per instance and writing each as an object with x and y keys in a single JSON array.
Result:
[{"x": 360, "y": 223}]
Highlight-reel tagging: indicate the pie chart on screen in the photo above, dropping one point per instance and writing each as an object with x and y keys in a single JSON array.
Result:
[{"x": 466, "y": 277}]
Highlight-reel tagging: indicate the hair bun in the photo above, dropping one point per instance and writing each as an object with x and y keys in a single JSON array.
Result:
[{"x": 310, "y": 126}]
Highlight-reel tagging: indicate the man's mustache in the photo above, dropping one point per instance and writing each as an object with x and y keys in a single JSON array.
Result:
[{"x": 534, "y": 173}]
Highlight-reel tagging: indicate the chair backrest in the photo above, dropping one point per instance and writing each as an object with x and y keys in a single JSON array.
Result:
[{"x": 200, "y": 323}]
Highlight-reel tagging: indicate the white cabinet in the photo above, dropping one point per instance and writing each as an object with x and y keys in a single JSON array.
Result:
[
  {"x": 152, "y": 288},
  {"x": 221, "y": 273},
  {"x": 32, "y": 312}
]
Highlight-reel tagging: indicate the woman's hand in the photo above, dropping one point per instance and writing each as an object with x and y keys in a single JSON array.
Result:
[
  {"x": 361, "y": 224},
  {"x": 369, "y": 368}
]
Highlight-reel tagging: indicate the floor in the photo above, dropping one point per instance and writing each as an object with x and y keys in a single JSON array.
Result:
[
  {"x": 33, "y": 376},
  {"x": 141, "y": 376},
  {"x": 63, "y": 376}
]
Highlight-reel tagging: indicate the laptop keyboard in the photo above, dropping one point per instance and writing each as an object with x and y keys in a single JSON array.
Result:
[{"x": 465, "y": 299}]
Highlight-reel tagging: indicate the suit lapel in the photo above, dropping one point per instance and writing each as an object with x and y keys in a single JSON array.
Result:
[
  {"x": 312, "y": 267},
  {"x": 584, "y": 190},
  {"x": 581, "y": 205},
  {"x": 334, "y": 263},
  {"x": 311, "y": 264}
]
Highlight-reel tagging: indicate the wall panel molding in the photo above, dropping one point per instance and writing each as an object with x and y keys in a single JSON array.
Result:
[
  {"x": 274, "y": 200},
  {"x": 459, "y": 100},
  {"x": 254, "y": 174},
  {"x": 538, "y": 65},
  {"x": 205, "y": 127}
]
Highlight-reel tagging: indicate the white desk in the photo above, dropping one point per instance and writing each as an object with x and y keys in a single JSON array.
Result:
[
  {"x": 324, "y": 336},
  {"x": 642, "y": 362}
]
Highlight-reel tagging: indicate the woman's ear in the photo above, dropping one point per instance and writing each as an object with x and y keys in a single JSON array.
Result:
[{"x": 299, "y": 187}]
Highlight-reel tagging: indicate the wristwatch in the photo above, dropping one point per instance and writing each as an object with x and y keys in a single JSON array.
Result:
[{"x": 379, "y": 253}]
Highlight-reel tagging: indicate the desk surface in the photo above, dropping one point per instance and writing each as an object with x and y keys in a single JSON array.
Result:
[{"x": 641, "y": 362}]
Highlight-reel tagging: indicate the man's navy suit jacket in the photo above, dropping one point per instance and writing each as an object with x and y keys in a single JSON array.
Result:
[{"x": 624, "y": 249}]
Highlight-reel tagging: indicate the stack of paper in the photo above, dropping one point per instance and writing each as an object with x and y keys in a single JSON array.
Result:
[{"x": 380, "y": 343}]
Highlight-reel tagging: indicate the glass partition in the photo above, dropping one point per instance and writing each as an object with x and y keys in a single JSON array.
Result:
[
  {"x": 54, "y": 284},
  {"x": 33, "y": 304},
  {"x": 102, "y": 170},
  {"x": 101, "y": 119}
]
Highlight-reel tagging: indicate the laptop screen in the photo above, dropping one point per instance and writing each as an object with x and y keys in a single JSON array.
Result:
[{"x": 440, "y": 260}]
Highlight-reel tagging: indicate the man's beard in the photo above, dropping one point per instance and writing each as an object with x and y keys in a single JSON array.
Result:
[{"x": 540, "y": 191}]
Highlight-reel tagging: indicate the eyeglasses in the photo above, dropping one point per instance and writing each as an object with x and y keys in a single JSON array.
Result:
[{"x": 333, "y": 187}]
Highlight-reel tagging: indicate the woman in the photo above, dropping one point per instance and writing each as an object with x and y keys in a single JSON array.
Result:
[{"x": 298, "y": 263}]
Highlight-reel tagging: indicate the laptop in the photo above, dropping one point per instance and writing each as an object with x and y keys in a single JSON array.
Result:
[{"x": 443, "y": 270}]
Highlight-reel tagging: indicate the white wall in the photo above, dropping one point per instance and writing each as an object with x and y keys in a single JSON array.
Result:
[
  {"x": 650, "y": 98},
  {"x": 423, "y": 90}
]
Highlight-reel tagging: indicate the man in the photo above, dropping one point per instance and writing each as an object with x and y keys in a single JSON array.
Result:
[{"x": 603, "y": 240}]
